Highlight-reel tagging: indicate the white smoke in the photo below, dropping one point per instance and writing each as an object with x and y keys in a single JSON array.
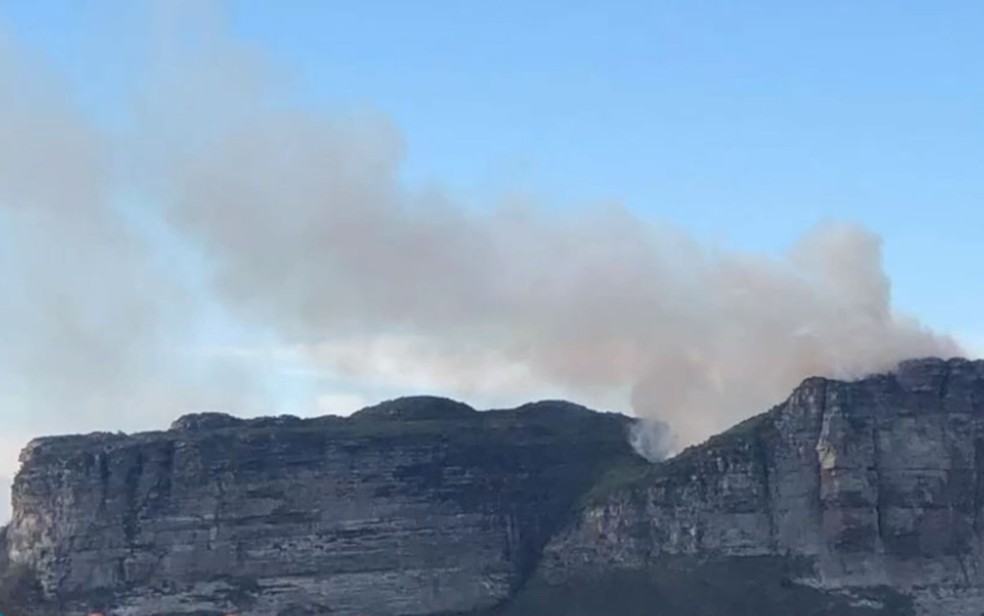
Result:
[
  {"x": 303, "y": 230},
  {"x": 315, "y": 236}
]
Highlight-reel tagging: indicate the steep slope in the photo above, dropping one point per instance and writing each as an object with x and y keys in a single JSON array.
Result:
[
  {"x": 849, "y": 498},
  {"x": 417, "y": 506}
]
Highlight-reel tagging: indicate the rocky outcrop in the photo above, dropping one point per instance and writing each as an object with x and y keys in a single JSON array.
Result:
[
  {"x": 4, "y": 550},
  {"x": 848, "y": 499},
  {"x": 416, "y": 506}
]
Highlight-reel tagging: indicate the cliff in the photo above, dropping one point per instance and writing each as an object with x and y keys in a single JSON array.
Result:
[
  {"x": 850, "y": 498},
  {"x": 859, "y": 497},
  {"x": 416, "y": 506}
]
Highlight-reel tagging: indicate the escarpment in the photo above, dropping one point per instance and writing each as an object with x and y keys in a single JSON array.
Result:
[
  {"x": 861, "y": 497},
  {"x": 848, "y": 499},
  {"x": 416, "y": 506}
]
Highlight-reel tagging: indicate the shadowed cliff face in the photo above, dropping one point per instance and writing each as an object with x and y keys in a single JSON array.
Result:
[
  {"x": 416, "y": 506},
  {"x": 848, "y": 499},
  {"x": 4, "y": 499}
]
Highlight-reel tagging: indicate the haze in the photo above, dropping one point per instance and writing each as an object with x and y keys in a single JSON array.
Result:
[{"x": 198, "y": 213}]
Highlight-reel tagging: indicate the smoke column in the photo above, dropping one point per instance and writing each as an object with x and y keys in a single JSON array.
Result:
[{"x": 297, "y": 225}]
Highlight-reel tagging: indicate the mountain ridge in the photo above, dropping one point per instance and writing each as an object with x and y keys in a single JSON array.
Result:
[
  {"x": 220, "y": 514},
  {"x": 860, "y": 497},
  {"x": 869, "y": 490}
]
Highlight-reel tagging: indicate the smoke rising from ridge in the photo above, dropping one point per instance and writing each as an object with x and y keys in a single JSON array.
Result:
[
  {"x": 305, "y": 231},
  {"x": 314, "y": 235}
]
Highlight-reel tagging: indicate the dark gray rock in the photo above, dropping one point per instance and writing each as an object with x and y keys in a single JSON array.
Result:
[
  {"x": 416, "y": 408},
  {"x": 4, "y": 550},
  {"x": 848, "y": 499},
  {"x": 871, "y": 491},
  {"x": 416, "y": 506},
  {"x": 205, "y": 421}
]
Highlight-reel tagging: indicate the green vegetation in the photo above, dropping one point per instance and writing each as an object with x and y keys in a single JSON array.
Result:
[
  {"x": 625, "y": 472},
  {"x": 694, "y": 587}
]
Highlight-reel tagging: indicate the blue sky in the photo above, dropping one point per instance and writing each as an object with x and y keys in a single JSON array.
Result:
[
  {"x": 745, "y": 123},
  {"x": 742, "y": 122}
]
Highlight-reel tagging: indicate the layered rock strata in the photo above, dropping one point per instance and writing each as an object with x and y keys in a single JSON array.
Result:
[
  {"x": 417, "y": 506},
  {"x": 848, "y": 499}
]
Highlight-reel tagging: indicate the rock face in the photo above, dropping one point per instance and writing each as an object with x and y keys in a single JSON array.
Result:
[
  {"x": 870, "y": 491},
  {"x": 849, "y": 499},
  {"x": 416, "y": 506}
]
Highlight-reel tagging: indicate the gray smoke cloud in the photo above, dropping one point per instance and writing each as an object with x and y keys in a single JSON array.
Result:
[
  {"x": 313, "y": 234},
  {"x": 78, "y": 307},
  {"x": 295, "y": 223},
  {"x": 93, "y": 320}
]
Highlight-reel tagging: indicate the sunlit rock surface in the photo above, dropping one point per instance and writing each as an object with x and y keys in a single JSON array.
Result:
[{"x": 872, "y": 491}]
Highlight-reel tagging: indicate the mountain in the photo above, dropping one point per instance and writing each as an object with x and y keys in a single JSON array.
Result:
[
  {"x": 848, "y": 499},
  {"x": 418, "y": 505},
  {"x": 861, "y": 497}
]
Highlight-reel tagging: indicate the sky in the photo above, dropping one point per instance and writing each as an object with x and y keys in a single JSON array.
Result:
[{"x": 743, "y": 125}]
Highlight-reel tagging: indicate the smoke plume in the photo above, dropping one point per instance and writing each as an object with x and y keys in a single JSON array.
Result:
[
  {"x": 313, "y": 234},
  {"x": 95, "y": 324},
  {"x": 220, "y": 201}
]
